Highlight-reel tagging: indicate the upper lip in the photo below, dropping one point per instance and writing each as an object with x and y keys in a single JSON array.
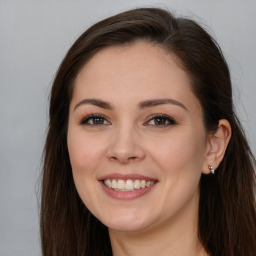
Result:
[{"x": 131, "y": 176}]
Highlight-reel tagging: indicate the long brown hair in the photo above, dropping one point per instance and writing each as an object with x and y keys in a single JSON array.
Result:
[{"x": 227, "y": 215}]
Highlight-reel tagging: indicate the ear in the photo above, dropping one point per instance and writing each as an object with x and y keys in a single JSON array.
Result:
[{"x": 216, "y": 146}]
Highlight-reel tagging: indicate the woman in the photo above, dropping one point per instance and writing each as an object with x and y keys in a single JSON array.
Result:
[{"x": 144, "y": 153}]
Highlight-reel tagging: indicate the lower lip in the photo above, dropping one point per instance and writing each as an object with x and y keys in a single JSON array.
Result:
[{"x": 126, "y": 195}]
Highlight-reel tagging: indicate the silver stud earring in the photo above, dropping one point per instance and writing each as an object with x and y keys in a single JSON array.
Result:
[{"x": 211, "y": 169}]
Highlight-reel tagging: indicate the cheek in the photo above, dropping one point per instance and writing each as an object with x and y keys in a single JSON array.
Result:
[
  {"x": 181, "y": 152},
  {"x": 84, "y": 151},
  {"x": 180, "y": 159}
]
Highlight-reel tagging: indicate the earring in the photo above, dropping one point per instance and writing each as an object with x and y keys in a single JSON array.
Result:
[{"x": 211, "y": 169}]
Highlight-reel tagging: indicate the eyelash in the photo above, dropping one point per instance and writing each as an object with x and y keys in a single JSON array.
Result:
[
  {"x": 162, "y": 117},
  {"x": 85, "y": 121}
]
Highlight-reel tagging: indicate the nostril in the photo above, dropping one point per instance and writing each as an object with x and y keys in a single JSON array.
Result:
[
  {"x": 132, "y": 158},
  {"x": 113, "y": 158},
  {"x": 123, "y": 159}
]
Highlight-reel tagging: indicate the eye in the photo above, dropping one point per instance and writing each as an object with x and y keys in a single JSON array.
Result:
[
  {"x": 160, "y": 120},
  {"x": 95, "y": 119}
]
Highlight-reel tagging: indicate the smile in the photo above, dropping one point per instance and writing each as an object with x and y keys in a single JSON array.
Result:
[{"x": 127, "y": 185}]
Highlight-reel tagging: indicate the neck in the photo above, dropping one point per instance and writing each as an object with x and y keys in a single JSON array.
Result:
[{"x": 177, "y": 236}]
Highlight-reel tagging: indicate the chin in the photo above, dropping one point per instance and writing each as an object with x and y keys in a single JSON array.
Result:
[
  {"x": 126, "y": 227},
  {"x": 127, "y": 222}
]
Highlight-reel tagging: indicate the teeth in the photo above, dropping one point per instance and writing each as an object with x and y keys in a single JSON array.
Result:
[
  {"x": 148, "y": 184},
  {"x": 120, "y": 184},
  {"x": 127, "y": 185},
  {"x": 143, "y": 184},
  {"x": 107, "y": 183},
  {"x": 114, "y": 184},
  {"x": 136, "y": 184}
]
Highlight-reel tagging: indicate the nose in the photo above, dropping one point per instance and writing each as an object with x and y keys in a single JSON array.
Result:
[{"x": 125, "y": 146}]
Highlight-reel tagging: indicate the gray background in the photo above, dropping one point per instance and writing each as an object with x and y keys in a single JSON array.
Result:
[{"x": 34, "y": 36}]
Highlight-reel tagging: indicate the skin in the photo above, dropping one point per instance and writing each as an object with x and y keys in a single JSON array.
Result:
[{"x": 128, "y": 140}]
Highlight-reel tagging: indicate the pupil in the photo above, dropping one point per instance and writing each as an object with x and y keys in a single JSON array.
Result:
[
  {"x": 98, "y": 120},
  {"x": 160, "y": 121}
]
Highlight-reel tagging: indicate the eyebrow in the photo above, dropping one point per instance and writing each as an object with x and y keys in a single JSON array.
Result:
[
  {"x": 142, "y": 105},
  {"x": 95, "y": 102},
  {"x": 156, "y": 102}
]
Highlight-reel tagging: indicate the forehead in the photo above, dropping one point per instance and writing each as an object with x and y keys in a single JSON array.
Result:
[
  {"x": 140, "y": 70},
  {"x": 139, "y": 56}
]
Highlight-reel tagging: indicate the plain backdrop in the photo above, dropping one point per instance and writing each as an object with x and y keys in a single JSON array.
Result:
[{"x": 34, "y": 36}]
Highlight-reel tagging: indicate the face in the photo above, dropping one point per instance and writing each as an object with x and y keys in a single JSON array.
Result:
[{"x": 136, "y": 138}]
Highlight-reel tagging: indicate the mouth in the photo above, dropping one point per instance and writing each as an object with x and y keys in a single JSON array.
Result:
[{"x": 128, "y": 185}]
